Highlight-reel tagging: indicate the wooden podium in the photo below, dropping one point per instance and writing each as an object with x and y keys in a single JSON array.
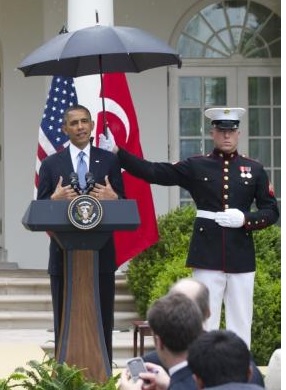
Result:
[{"x": 81, "y": 340}]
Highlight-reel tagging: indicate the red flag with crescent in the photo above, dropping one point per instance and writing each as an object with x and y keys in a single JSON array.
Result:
[{"x": 122, "y": 121}]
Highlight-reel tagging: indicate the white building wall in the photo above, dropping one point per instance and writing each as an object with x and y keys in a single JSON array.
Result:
[{"x": 22, "y": 28}]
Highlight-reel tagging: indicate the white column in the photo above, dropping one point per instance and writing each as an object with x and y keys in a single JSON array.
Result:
[{"x": 82, "y": 14}]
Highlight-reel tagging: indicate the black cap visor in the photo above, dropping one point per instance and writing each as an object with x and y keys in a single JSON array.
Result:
[{"x": 226, "y": 124}]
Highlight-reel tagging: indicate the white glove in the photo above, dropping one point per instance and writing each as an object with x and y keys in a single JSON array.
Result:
[
  {"x": 232, "y": 218},
  {"x": 106, "y": 142}
]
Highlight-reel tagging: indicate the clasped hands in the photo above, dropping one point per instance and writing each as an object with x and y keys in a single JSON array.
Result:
[{"x": 99, "y": 191}]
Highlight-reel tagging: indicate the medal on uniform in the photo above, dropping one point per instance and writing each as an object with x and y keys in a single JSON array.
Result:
[
  {"x": 248, "y": 172},
  {"x": 245, "y": 172},
  {"x": 242, "y": 171}
]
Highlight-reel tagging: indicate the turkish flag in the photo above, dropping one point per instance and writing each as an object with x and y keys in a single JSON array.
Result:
[{"x": 121, "y": 120}]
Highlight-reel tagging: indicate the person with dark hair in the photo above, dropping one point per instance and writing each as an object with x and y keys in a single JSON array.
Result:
[
  {"x": 220, "y": 360},
  {"x": 55, "y": 184},
  {"x": 175, "y": 322},
  {"x": 224, "y": 185},
  {"x": 199, "y": 293}
]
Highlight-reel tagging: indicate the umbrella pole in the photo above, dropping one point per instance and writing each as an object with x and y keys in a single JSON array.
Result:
[{"x": 102, "y": 96}]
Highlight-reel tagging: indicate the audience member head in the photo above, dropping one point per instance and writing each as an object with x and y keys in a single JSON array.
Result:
[
  {"x": 196, "y": 291},
  {"x": 175, "y": 321},
  {"x": 218, "y": 357}
]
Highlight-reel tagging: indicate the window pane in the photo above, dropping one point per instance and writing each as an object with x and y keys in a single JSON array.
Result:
[
  {"x": 190, "y": 91},
  {"x": 271, "y": 30},
  {"x": 215, "y": 91},
  {"x": 190, "y": 121},
  {"x": 188, "y": 48},
  {"x": 255, "y": 47},
  {"x": 277, "y": 122},
  {"x": 275, "y": 49},
  {"x": 258, "y": 91},
  {"x": 187, "y": 203},
  {"x": 198, "y": 27},
  {"x": 189, "y": 147},
  {"x": 208, "y": 146},
  {"x": 277, "y": 91},
  {"x": 215, "y": 16},
  {"x": 260, "y": 150},
  {"x": 218, "y": 48},
  {"x": 259, "y": 122},
  {"x": 277, "y": 153},
  {"x": 184, "y": 194}
]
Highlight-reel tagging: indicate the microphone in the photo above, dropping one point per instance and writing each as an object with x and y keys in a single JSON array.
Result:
[
  {"x": 90, "y": 181},
  {"x": 74, "y": 182}
]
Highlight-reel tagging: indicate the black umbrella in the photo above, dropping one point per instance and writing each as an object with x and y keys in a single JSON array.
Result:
[{"x": 97, "y": 50}]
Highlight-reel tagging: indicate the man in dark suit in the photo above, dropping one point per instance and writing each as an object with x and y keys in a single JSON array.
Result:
[
  {"x": 175, "y": 321},
  {"x": 55, "y": 184}
]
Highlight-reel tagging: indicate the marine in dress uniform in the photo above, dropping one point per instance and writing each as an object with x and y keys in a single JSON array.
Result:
[{"x": 224, "y": 185}]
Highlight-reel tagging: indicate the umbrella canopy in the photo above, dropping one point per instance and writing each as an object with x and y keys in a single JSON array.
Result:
[{"x": 99, "y": 49}]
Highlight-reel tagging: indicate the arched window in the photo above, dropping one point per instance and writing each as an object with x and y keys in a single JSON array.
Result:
[{"x": 232, "y": 27}]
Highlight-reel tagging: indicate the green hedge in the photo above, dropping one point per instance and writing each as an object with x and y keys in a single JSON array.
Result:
[
  {"x": 150, "y": 275},
  {"x": 175, "y": 229}
]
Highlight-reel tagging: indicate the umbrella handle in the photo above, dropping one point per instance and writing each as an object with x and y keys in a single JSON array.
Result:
[{"x": 102, "y": 96}]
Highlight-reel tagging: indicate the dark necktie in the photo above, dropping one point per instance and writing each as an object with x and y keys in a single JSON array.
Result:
[{"x": 81, "y": 170}]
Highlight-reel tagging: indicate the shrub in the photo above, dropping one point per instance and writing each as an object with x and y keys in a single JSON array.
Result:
[
  {"x": 173, "y": 271},
  {"x": 266, "y": 324},
  {"x": 175, "y": 229},
  {"x": 150, "y": 275}
]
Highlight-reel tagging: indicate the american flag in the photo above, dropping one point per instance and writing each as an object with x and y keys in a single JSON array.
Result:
[{"x": 62, "y": 95}]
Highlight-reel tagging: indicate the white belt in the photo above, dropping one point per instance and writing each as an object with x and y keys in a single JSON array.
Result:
[{"x": 206, "y": 214}]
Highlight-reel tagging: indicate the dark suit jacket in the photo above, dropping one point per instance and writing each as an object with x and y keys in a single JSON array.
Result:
[
  {"x": 102, "y": 163},
  {"x": 256, "y": 378},
  {"x": 236, "y": 386},
  {"x": 182, "y": 380}
]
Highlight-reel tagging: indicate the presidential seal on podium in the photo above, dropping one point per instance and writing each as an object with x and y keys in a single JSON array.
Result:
[{"x": 85, "y": 212}]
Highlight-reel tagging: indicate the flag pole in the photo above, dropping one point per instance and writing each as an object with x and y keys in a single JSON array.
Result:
[
  {"x": 102, "y": 96},
  {"x": 101, "y": 82}
]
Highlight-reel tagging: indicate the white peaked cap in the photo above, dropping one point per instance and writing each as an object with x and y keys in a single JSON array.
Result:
[{"x": 224, "y": 114}]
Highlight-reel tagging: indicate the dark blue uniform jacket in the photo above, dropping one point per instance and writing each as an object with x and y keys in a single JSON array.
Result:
[{"x": 216, "y": 182}]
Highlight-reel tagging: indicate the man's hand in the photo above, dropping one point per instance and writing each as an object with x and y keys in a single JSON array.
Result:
[
  {"x": 126, "y": 383},
  {"x": 62, "y": 193},
  {"x": 156, "y": 378},
  {"x": 103, "y": 192},
  {"x": 232, "y": 218},
  {"x": 107, "y": 142}
]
